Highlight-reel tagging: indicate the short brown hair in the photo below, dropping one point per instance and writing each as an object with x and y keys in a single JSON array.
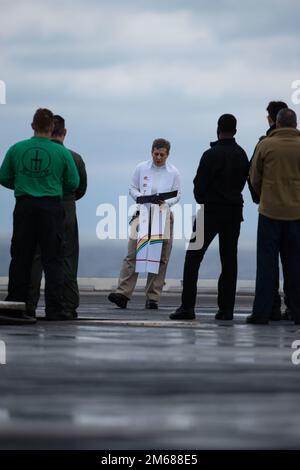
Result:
[
  {"x": 161, "y": 143},
  {"x": 42, "y": 120},
  {"x": 59, "y": 126}
]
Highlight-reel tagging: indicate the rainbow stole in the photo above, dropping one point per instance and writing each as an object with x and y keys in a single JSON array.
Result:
[{"x": 151, "y": 234}]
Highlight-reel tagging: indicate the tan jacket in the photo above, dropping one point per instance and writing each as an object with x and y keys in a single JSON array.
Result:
[{"x": 275, "y": 174}]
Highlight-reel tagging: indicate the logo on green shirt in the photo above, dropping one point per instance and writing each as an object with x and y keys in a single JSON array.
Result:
[{"x": 36, "y": 162}]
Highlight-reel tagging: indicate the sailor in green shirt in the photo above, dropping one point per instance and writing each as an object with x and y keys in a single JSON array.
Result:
[
  {"x": 39, "y": 171},
  {"x": 38, "y": 167},
  {"x": 71, "y": 238}
]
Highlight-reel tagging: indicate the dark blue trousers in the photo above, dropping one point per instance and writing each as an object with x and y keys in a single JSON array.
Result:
[
  {"x": 274, "y": 237},
  {"x": 224, "y": 222},
  {"x": 37, "y": 221}
]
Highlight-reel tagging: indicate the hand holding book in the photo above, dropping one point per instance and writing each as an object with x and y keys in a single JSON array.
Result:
[{"x": 156, "y": 198}]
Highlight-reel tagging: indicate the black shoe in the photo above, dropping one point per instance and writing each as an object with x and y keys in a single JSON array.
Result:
[
  {"x": 72, "y": 314},
  {"x": 221, "y": 315},
  {"x": 31, "y": 309},
  {"x": 151, "y": 304},
  {"x": 15, "y": 317},
  {"x": 31, "y": 313},
  {"x": 287, "y": 315},
  {"x": 183, "y": 314},
  {"x": 276, "y": 314},
  {"x": 275, "y": 317},
  {"x": 255, "y": 320},
  {"x": 119, "y": 299},
  {"x": 61, "y": 316}
]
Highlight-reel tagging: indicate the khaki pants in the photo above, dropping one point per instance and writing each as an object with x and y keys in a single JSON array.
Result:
[{"x": 155, "y": 282}]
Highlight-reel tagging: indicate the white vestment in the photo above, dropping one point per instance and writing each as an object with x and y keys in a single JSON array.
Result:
[{"x": 150, "y": 179}]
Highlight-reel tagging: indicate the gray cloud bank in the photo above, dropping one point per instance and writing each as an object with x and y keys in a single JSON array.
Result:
[{"x": 125, "y": 72}]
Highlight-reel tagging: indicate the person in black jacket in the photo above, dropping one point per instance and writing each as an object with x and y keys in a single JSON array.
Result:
[
  {"x": 219, "y": 182},
  {"x": 272, "y": 109}
]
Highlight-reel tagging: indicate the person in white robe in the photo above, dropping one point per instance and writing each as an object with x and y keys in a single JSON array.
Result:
[{"x": 151, "y": 237}]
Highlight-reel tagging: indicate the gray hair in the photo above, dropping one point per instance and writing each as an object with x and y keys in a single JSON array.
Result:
[{"x": 286, "y": 118}]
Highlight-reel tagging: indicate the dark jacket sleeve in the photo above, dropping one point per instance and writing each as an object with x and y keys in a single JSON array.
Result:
[
  {"x": 256, "y": 170},
  {"x": 254, "y": 195},
  {"x": 7, "y": 174},
  {"x": 81, "y": 190},
  {"x": 203, "y": 178},
  {"x": 70, "y": 176}
]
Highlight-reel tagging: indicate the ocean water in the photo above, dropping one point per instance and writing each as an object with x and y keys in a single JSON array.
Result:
[{"x": 103, "y": 259}]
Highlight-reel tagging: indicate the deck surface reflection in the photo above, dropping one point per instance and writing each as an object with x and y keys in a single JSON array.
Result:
[{"x": 112, "y": 385}]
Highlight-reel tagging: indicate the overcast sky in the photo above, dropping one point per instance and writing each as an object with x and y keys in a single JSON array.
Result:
[{"x": 125, "y": 72}]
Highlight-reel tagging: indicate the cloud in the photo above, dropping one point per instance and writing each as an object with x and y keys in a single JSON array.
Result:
[
  {"x": 238, "y": 77},
  {"x": 89, "y": 54},
  {"x": 123, "y": 73}
]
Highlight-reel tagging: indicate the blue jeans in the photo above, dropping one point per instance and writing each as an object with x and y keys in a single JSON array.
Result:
[{"x": 274, "y": 236}]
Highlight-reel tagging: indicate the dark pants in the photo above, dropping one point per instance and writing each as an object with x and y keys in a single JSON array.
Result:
[
  {"x": 37, "y": 221},
  {"x": 274, "y": 237},
  {"x": 227, "y": 227},
  {"x": 70, "y": 264}
]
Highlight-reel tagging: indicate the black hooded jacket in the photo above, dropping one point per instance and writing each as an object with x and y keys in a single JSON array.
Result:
[{"x": 221, "y": 175}]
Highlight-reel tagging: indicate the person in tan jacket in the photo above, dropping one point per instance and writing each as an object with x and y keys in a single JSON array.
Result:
[
  {"x": 275, "y": 177},
  {"x": 273, "y": 109}
]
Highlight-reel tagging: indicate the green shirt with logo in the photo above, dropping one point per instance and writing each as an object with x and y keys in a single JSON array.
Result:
[{"x": 39, "y": 167}]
